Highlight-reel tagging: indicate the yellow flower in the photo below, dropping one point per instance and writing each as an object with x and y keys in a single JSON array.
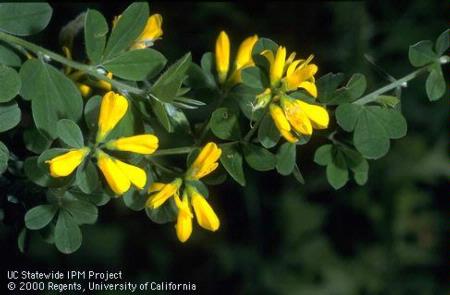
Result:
[
  {"x": 66, "y": 163},
  {"x": 184, "y": 219},
  {"x": 151, "y": 32},
  {"x": 120, "y": 175},
  {"x": 205, "y": 215},
  {"x": 281, "y": 122},
  {"x": 145, "y": 144},
  {"x": 85, "y": 90},
  {"x": 104, "y": 84},
  {"x": 162, "y": 192},
  {"x": 112, "y": 109},
  {"x": 292, "y": 74},
  {"x": 243, "y": 57},
  {"x": 295, "y": 118},
  {"x": 222, "y": 56},
  {"x": 206, "y": 161}
]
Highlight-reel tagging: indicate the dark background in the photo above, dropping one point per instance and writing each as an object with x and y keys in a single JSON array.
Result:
[{"x": 277, "y": 236}]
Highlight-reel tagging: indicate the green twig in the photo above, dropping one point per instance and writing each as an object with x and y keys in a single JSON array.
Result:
[
  {"x": 88, "y": 69},
  {"x": 173, "y": 151},
  {"x": 397, "y": 83}
]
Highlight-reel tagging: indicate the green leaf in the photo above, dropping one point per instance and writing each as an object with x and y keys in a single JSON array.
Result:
[
  {"x": 9, "y": 57},
  {"x": 87, "y": 177},
  {"x": 373, "y": 127},
  {"x": 323, "y": 155},
  {"x": 327, "y": 85},
  {"x": 95, "y": 31},
  {"x": 347, "y": 115},
  {"x": 328, "y": 93},
  {"x": 38, "y": 217},
  {"x": 70, "y": 133},
  {"x": 443, "y": 42},
  {"x": 435, "y": 84},
  {"x": 135, "y": 200},
  {"x": 161, "y": 114},
  {"x": 168, "y": 84},
  {"x": 129, "y": 26},
  {"x": 82, "y": 212},
  {"x": 92, "y": 111},
  {"x": 259, "y": 158},
  {"x": 421, "y": 53},
  {"x": 24, "y": 19},
  {"x": 388, "y": 100},
  {"x": 38, "y": 172},
  {"x": 224, "y": 124},
  {"x": 337, "y": 172},
  {"x": 356, "y": 86},
  {"x": 298, "y": 174},
  {"x": 166, "y": 213},
  {"x": 4, "y": 157},
  {"x": 231, "y": 160},
  {"x": 10, "y": 115},
  {"x": 199, "y": 186},
  {"x": 245, "y": 96},
  {"x": 286, "y": 158},
  {"x": 268, "y": 134},
  {"x": 264, "y": 44},
  {"x": 198, "y": 77},
  {"x": 357, "y": 164},
  {"x": 53, "y": 96},
  {"x": 135, "y": 65},
  {"x": 35, "y": 141},
  {"x": 254, "y": 77},
  {"x": 10, "y": 83},
  {"x": 21, "y": 240},
  {"x": 67, "y": 233},
  {"x": 100, "y": 197}
]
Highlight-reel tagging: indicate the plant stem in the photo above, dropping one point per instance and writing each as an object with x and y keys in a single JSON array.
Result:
[
  {"x": 398, "y": 83},
  {"x": 88, "y": 69},
  {"x": 173, "y": 151}
]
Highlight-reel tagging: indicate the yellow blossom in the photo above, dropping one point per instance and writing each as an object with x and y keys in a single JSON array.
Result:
[
  {"x": 184, "y": 220},
  {"x": 222, "y": 56},
  {"x": 112, "y": 109},
  {"x": 296, "y": 118},
  {"x": 292, "y": 74},
  {"x": 243, "y": 58},
  {"x": 120, "y": 175},
  {"x": 104, "y": 84},
  {"x": 281, "y": 122},
  {"x": 66, "y": 163},
  {"x": 162, "y": 192},
  {"x": 151, "y": 32},
  {"x": 206, "y": 161},
  {"x": 145, "y": 144},
  {"x": 85, "y": 90},
  {"x": 205, "y": 215}
]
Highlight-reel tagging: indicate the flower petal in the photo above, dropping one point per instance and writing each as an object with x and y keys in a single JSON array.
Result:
[
  {"x": 136, "y": 175},
  {"x": 66, "y": 163},
  {"x": 112, "y": 109},
  {"x": 277, "y": 68},
  {"x": 115, "y": 177},
  {"x": 296, "y": 116},
  {"x": 145, "y": 144},
  {"x": 184, "y": 219},
  {"x": 206, "y": 217},
  {"x": 279, "y": 118},
  {"x": 152, "y": 31},
  {"x": 159, "y": 198},
  {"x": 244, "y": 54},
  {"x": 317, "y": 115},
  {"x": 222, "y": 56},
  {"x": 206, "y": 161}
]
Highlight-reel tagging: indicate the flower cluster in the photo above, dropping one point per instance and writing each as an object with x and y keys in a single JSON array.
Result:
[{"x": 118, "y": 174}]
